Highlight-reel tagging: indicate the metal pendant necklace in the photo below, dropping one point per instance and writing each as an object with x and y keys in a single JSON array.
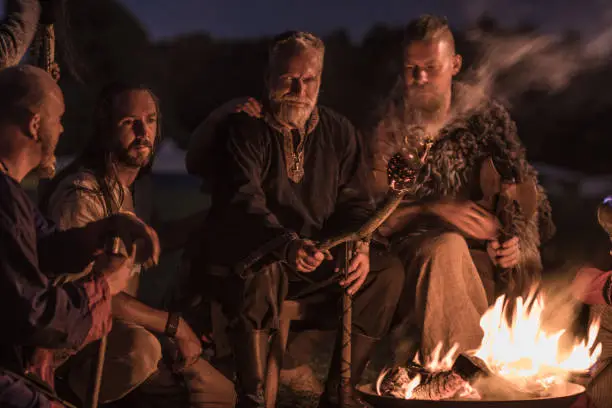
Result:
[{"x": 295, "y": 155}]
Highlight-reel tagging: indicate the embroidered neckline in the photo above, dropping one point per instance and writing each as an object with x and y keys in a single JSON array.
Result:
[{"x": 294, "y": 157}]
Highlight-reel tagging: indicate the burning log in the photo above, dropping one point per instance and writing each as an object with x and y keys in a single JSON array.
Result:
[
  {"x": 473, "y": 370},
  {"x": 439, "y": 386},
  {"x": 469, "y": 377},
  {"x": 517, "y": 361},
  {"x": 416, "y": 382},
  {"x": 394, "y": 382}
]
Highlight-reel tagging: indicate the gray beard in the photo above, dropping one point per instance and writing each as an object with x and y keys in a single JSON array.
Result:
[{"x": 293, "y": 115}]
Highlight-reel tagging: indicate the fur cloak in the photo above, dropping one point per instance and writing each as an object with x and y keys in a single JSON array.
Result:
[{"x": 479, "y": 128}]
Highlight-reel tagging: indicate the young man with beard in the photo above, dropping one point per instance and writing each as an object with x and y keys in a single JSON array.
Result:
[
  {"x": 447, "y": 242},
  {"x": 285, "y": 181},
  {"x": 96, "y": 184},
  {"x": 40, "y": 317}
]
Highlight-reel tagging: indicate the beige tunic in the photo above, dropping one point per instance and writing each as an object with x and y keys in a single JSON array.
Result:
[{"x": 78, "y": 200}]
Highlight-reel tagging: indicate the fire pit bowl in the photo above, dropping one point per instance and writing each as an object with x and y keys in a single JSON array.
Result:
[{"x": 565, "y": 399}]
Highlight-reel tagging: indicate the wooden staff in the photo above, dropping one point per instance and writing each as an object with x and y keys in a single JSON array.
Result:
[
  {"x": 95, "y": 381},
  {"x": 401, "y": 181},
  {"x": 347, "y": 331},
  {"x": 392, "y": 202},
  {"x": 93, "y": 392}
]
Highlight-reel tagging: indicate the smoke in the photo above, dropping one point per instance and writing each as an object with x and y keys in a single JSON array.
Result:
[{"x": 509, "y": 64}]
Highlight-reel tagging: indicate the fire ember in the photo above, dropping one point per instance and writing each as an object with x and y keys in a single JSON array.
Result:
[{"x": 517, "y": 360}]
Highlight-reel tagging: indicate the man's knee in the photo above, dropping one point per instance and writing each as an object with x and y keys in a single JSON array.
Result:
[
  {"x": 257, "y": 300},
  {"x": 388, "y": 275},
  {"x": 139, "y": 347},
  {"x": 132, "y": 356},
  {"x": 442, "y": 259},
  {"x": 391, "y": 274},
  {"x": 447, "y": 243},
  {"x": 207, "y": 386}
]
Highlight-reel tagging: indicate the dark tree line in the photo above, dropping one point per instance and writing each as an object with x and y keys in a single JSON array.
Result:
[{"x": 193, "y": 74}]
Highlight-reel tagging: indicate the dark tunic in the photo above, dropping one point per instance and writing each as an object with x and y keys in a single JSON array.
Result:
[
  {"x": 36, "y": 315},
  {"x": 261, "y": 201},
  {"x": 257, "y": 209}
]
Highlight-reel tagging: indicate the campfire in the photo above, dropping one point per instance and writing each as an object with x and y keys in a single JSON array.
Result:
[{"x": 517, "y": 360}]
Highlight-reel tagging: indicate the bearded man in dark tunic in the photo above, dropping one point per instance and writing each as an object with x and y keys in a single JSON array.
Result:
[
  {"x": 449, "y": 244},
  {"x": 284, "y": 181}
]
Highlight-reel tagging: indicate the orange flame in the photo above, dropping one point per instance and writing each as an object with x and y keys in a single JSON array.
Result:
[{"x": 523, "y": 351}]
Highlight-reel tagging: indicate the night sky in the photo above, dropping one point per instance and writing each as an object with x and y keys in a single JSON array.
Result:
[{"x": 248, "y": 18}]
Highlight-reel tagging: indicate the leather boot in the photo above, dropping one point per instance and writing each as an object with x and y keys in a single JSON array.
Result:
[
  {"x": 361, "y": 349},
  {"x": 250, "y": 356}
]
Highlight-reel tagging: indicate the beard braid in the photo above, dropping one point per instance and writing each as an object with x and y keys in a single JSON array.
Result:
[{"x": 46, "y": 170}]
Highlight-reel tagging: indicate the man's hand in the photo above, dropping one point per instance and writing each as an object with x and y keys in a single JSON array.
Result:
[
  {"x": 358, "y": 270},
  {"x": 590, "y": 284},
  {"x": 116, "y": 270},
  {"x": 250, "y": 106},
  {"x": 305, "y": 257},
  {"x": 189, "y": 345},
  {"x": 506, "y": 255},
  {"x": 133, "y": 230},
  {"x": 468, "y": 217}
]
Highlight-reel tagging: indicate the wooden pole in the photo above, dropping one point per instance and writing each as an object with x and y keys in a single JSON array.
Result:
[
  {"x": 93, "y": 393},
  {"x": 95, "y": 382},
  {"x": 347, "y": 331}
]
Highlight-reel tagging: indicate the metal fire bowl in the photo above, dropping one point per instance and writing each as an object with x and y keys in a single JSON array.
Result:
[{"x": 572, "y": 392}]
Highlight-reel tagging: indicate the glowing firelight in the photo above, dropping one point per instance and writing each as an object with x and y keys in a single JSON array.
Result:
[
  {"x": 520, "y": 351},
  {"x": 435, "y": 363},
  {"x": 523, "y": 352}
]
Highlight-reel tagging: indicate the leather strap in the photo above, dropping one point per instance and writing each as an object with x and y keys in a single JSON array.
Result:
[{"x": 172, "y": 324}]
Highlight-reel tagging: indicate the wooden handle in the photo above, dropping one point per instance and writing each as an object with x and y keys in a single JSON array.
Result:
[
  {"x": 96, "y": 376},
  {"x": 347, "y": 331}
]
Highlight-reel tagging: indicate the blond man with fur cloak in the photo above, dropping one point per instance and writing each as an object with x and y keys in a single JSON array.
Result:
[{"x": 449, "y": 243}]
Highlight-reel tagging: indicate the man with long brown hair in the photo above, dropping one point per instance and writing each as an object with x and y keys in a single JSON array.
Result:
[{"x": 99, "y": 182}]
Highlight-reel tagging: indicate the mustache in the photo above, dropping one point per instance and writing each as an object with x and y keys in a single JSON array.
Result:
[
  {"x": 141, "y": 143},
  {"x": 294, "y": 101},
  {"x": 421, "y": 88}
]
